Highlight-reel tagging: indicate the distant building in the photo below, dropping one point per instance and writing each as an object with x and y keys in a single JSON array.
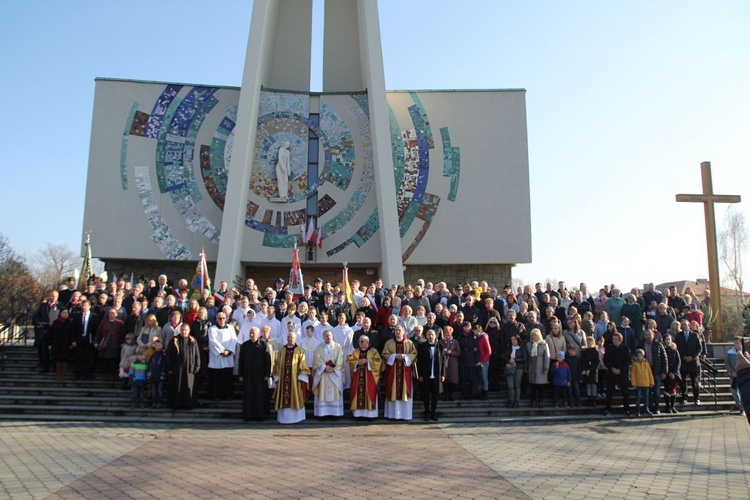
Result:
[{"x": 698, "y": 288}]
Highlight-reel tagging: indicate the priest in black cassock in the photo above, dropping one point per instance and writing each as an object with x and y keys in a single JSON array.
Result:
[{"x": 254, "y": 370}]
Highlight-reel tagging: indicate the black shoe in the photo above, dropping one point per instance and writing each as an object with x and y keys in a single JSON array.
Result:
[
  {"x": 434, "y": 417},
  {"x": 426, "y": 417},
  {"x": 607, "y": 413},
  {"x": 627, "y": 413}
]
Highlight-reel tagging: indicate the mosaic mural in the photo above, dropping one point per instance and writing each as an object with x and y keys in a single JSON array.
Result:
[{"x": 192, "y": 159}]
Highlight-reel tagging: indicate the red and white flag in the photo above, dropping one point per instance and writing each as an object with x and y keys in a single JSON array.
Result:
[
  {"x": 310, "y": 235},
  {"x": 296, "y": 284}
]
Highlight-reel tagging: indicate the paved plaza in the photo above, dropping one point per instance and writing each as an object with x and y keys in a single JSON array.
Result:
[{"x": 659, "y": 458}]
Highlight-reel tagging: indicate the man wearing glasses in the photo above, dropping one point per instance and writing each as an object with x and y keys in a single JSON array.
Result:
[{"x": 364, "y": 363}]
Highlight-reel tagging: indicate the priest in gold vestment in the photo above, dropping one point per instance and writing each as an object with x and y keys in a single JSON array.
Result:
[
  {"x": 291, "y": 374},
  {"x": 364, "y": 364},
  {"x": 399, "y": 355}
]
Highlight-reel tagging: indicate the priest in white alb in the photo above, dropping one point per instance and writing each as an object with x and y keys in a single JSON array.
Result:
[{"x": 328, "y": 386}]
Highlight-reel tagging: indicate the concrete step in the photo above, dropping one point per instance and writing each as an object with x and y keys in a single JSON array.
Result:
[
  {"x": 46, "y": 386},
  {"x": 66, "y": 391},
  {"x": 27, "y": 394},
  {"x": 208, "y": 415},
  {"x": 490, "y": 407}
]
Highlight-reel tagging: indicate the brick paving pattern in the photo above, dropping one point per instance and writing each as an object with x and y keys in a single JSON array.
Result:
[
  {"x": 683, "y": 459},
  {"x": 691, "y": 458}
]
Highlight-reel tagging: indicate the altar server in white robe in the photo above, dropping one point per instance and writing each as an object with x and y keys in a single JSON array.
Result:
[
  {"x": 308, "y": 343},
  {"x": 344, "y": 336},
  {"x": 222, "y": 343},
  {"x": 322, "y": 326},
  {"x": 276, "y": 332},
  {"x": 291, "y": 317}
]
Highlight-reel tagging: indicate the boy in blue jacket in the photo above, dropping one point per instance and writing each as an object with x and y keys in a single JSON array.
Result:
[
  {"x": 156, "y": 373},
  {"x": 561, "y": 379},
  {"x": 137, "y": 374}
]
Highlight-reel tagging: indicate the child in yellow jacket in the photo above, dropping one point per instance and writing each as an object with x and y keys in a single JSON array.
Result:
[{"x": 642, "y": 378}]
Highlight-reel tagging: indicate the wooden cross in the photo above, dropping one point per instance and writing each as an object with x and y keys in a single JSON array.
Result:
[{"x": 708, "y": 198}]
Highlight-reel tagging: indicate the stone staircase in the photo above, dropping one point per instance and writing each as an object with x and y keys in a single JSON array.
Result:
[{"x": 26, "y": 394}]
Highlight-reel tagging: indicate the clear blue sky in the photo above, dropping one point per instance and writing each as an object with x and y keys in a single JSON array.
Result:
[{"x": 625, "y": 99}]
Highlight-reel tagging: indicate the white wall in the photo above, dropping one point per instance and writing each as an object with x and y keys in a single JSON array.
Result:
[{"x": 488, "y": 223}]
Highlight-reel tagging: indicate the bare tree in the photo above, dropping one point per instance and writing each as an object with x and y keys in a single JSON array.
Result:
[
  {"x": 53, "y": 264},
  {"x": 732, "y": 250},
  {"x": 733, "y": 247},
  {"x": 19, "y": 291}
]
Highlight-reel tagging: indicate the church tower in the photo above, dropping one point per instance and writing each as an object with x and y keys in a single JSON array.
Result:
[{"x": 279, "y": 57}]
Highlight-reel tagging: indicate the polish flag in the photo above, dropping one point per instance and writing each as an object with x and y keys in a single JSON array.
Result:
[{"x": 310, "y": 235}]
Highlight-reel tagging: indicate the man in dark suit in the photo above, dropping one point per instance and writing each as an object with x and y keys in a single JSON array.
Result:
[
  {"x": 164, "y": 313},
  {"x": 389, "y": 332},
  {"x": 689, "y": 346},
  {"x": 161, "y": 286},
  {"x": 67, "y": 293},
  {"x": 42, "y": 320},
  {"x": 367, "y": 331},
  {"x": 617, "y": 360},
  {"x": 85, "y": 323},
  {"x": 431, "y": 373},
  {"x": 135, "y": 296},
  {"x": 328, "y": 306},
  {"x": 345, "y": 307}
]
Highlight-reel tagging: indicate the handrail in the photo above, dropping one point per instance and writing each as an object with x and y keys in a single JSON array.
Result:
[
  {"x": 10, "y": 334},
  {"x": 709, "y": 374}
]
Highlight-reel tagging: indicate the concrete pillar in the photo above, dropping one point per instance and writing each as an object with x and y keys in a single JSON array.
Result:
[
  {"x": 280, "y": 36},
  {"x": 373, "y": 76}
]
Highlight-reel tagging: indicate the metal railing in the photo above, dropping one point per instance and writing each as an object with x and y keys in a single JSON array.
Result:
[
  {"x": 13, "y": 332},
  {"x": 709, "y": 386}
]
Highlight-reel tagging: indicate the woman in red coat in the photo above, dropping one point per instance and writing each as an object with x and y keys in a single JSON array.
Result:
[
  {"x": 485, "y": 351},
  {"x": 384, "y": 312},
  {"x": 109, "y": 337}
]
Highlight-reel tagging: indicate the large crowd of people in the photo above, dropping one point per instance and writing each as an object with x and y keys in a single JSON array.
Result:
[{"x": 382, "y": 346}]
